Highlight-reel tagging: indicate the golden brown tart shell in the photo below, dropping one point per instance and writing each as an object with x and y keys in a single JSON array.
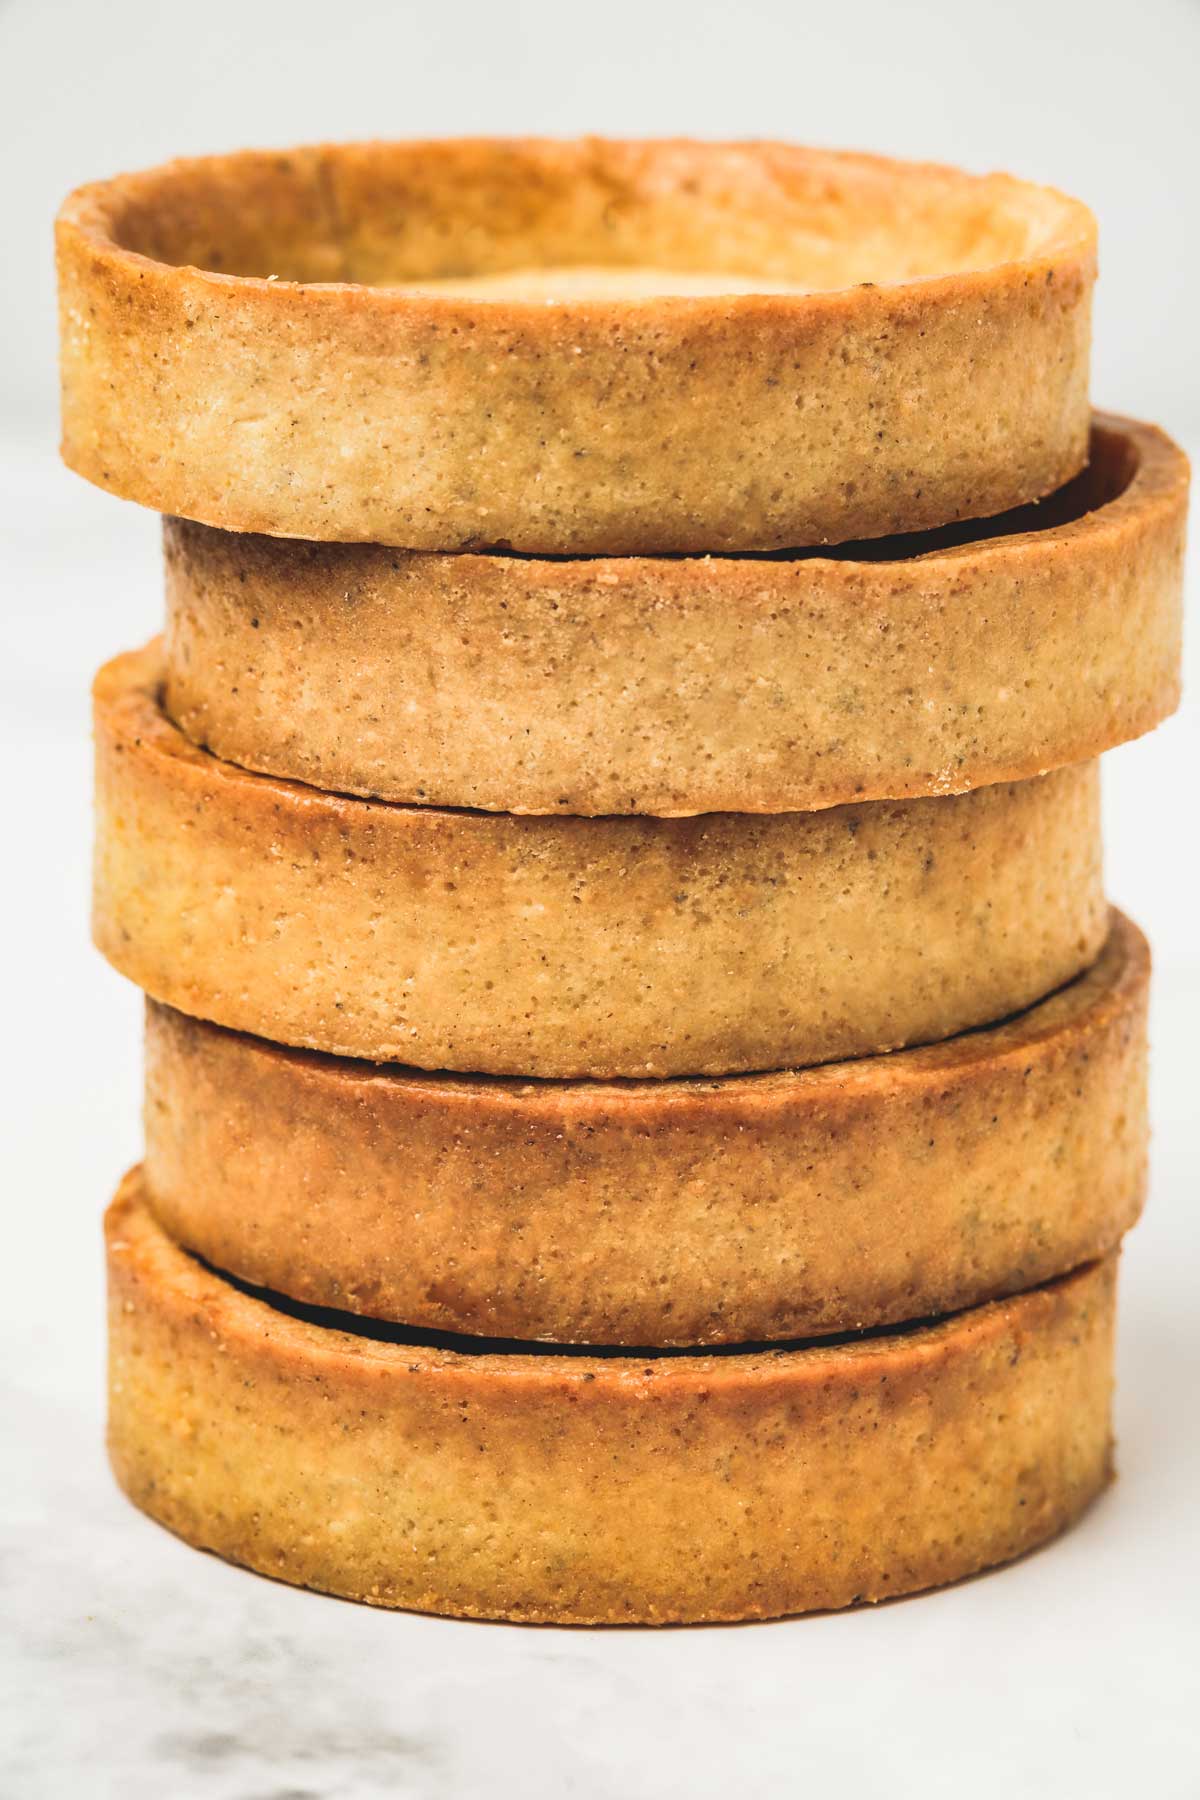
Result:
[
  {"x": 907, "y": 667},
  {"x": 581, "y": 1489},
  {"x": 678, "y": 1212},
  {"x": 565, "y": 946},
  {"x": 428, "y": 344}
]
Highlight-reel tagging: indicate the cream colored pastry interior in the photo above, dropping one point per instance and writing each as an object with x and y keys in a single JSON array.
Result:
[{"x": 555, "y": 283}]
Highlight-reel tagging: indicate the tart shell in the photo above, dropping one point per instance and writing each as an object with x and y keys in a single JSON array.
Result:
[
  {"x": 277, "y": 342},
  {"x": 681, "y": 1212},
  {"x": 916, "y": 666},
  {"x": 582, "y": 1489},
  {"x": 564, "y": 947}
]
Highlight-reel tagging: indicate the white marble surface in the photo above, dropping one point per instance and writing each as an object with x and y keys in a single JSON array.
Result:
[{"x": 135, "y": 1667}]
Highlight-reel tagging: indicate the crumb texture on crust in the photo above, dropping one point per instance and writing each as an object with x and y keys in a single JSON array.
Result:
[
  {"x": 581, "y": 1489},
  {"x": 917, "y": 666},
  {"x": 680, "y": 1212},
  {"x": 234, "y": 328},
  {"x": 565, "y": 946}
]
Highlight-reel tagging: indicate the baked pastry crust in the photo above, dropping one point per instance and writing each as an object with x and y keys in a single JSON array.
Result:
[
  {"x": 355, "y": 342},
  {"x": 917, "y": 666},
  {"x": 680, "y": 1212},
  {"x": 582, "y": 1489},
  {"x": 562, "y": 947}
]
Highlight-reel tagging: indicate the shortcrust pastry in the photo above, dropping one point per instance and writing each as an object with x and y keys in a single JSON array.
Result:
[
  {"x": 567, "y": 946},
  {"x": 576, "y": 347},
  {"x": 677, "y": 1212},
  {"x": 911, "y": 666},
  {"x": 577, "y": 1489}
]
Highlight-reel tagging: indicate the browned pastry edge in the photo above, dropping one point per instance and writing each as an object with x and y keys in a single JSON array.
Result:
[
  {"x": 238, "y": 348},
  {"x": 680, "y": 1212},
  {"x": 914, "y": 666},
  {"x": 578, "y": 1489}
]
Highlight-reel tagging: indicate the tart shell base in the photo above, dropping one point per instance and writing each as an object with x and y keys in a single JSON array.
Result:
[{"x": 579, "y": 1489}]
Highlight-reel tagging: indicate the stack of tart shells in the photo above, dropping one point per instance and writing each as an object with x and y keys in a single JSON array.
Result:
[{"x": 644, "y": 1091}]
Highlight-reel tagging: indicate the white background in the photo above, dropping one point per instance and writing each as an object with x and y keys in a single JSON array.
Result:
[{"x": 135, "y": 1667}]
